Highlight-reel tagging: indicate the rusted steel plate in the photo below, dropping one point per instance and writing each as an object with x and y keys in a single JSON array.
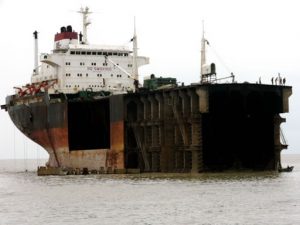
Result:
[{"x": 116, "y": 154}]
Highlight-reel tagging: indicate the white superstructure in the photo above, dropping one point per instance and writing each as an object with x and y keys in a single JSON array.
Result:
[{"x": 74, "y": 65}]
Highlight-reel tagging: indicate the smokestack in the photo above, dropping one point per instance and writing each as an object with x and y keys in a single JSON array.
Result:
[{"x": 35, "y": 69}]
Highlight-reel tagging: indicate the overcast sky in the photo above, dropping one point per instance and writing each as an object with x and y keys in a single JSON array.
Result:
[{"x": 252, "y": 38}]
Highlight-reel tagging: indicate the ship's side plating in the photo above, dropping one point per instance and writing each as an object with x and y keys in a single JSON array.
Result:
[
  {"x": 187, "y": 129},
  {"x": 206, "y": 128},
  {"x": 76, "y": 132}
]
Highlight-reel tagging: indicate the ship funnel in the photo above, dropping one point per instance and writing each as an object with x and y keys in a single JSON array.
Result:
[{"x": 35, "y": 69}]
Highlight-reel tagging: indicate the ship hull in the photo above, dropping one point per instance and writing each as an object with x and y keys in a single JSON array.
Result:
[{"x": 187, "y": 129}]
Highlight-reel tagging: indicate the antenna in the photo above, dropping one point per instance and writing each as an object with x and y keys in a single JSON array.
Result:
[
  {"x": 203, "y": 51},
  {"x": 85, "y": 22},
  {"x": 134, "y": 59},
  {"x": 36, "y": 52}
]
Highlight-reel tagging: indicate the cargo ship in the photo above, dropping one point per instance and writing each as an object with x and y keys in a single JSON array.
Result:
[{"x": 86, "y": 108}]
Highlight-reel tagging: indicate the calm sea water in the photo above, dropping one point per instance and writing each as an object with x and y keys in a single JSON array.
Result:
[{"x": 208, "y": 199}]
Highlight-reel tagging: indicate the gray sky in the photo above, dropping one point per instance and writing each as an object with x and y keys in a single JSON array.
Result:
[{"x": 253, "y": 38}]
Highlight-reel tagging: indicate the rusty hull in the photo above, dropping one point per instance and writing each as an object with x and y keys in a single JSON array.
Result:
[
  {"x": 206, "y": 128},
  {"x": 186, "y": 129}
]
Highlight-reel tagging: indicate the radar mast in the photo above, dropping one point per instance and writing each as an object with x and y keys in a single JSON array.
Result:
[
  {"x": 85, "y": 22},
  {"x": 203, "y": 52},
  {"x": 135, "y": 72},
  {"x": 208, "y": 71}
]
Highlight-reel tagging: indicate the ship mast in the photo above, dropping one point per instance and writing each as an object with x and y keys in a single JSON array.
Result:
[
  {"x": 36, "y": 52},
  {"x": 135, "y": 48},
  {"x": 203, "y": 54},
  {"x": 85, "y": 23}
]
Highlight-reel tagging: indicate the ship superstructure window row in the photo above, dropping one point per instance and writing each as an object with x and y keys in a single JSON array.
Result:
[
  {"x": 98, "y": 53},
  {"x": 98, "y": 75}
]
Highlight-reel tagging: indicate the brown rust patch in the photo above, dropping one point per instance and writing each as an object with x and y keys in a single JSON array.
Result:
[
  {"x": 59, "y": 137},
  {"x": 51, "y": 140},
  {"x": 56, "y": 137},
  {"x": 41, "y": 137},
  {"x": 115, "y": 157},
  {"x": 91, "y": 159}
]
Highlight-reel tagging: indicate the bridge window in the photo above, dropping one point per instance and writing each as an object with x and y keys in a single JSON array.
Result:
[
  {"x": 88, "y": 53},
  {"x": 99, "y": 53},
  {"x": 77, "y": 53},
  {"x": 72, "y": 52},
  {"x": 94, "y": 53}
]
